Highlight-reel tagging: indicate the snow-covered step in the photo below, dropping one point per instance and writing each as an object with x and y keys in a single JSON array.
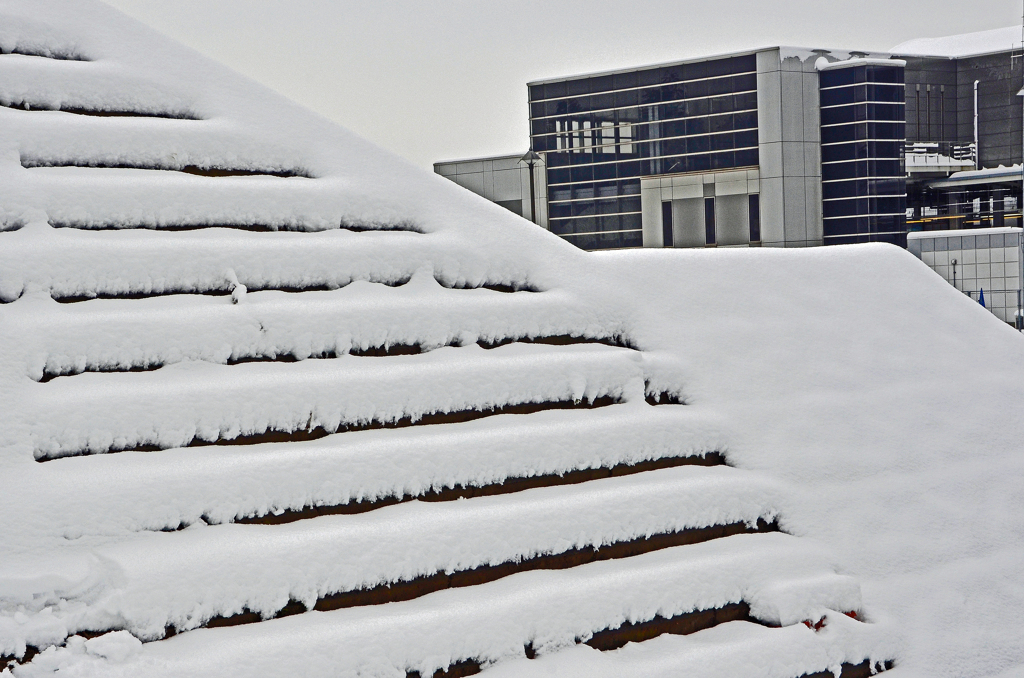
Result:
[
  {"x": 335, "y": 347},
  {"x": 73, "y": 263},
  {"x": 853, "y": 649},
  {"x": 216, "y": 169},
  {"x": 94, "y": 86},
  {"x": 107, "y": 180},
  {"x": 160, "y": 167},
  {"x": 133, "y": 197},
  {"x": 55, "y": 138},
  {"x": 25, "y": 106},
  {"x": 113, "y": 494},
  {"x": 42, "y": 49},
  {"x": 199, "y": 401},
  {"x": 510, "y": 485},
  {"x": 783, "y": 580},
  {"x": 184, "y": 578},
  {"x": 113, "y": 334}
]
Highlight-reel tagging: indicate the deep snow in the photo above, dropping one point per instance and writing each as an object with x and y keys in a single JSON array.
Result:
[{"x": 864, "y": 403}]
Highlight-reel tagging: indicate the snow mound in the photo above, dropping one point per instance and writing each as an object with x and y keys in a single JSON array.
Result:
[{"x": 277, "y": 403}]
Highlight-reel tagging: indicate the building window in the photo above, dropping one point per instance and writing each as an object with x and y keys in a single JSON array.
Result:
[
  {"x": 601, "y": 134},
  {"x": 710, "y": 236},
  {"x": 754, "y": 216},
  {"x": 666, "y": 223},
  {"x": 864, "y": 190}
]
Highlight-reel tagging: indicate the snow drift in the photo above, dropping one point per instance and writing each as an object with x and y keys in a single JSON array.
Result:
[{"x": 251, "y": 366}]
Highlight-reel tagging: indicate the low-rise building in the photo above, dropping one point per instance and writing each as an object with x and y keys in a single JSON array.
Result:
[
  {"x": 508, "y": 180},
  {"x": 984, "y": 263}
]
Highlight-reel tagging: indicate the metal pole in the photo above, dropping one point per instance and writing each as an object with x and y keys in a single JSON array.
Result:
[
  {"x": 533, "y": 196},
  {"x": 529, "y": 159},
  {"x": 977, "y": 147}
]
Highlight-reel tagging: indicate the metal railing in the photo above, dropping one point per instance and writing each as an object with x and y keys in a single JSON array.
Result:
[
  {"x": 1018, "y": 313},
  {"x": 957, "y": 151}
]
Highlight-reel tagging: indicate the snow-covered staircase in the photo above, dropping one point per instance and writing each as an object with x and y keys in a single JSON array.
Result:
[{"x": 252, "y": 396}]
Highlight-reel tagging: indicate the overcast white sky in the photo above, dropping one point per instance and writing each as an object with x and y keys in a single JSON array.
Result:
[{"x": 442, "y": 80}]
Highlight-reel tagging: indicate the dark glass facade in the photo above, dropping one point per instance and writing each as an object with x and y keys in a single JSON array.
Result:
[
  {"x": 940, "y": 95},
  {"x": 932, "y": 101},
  {"x": 999, "y": 107},
  {"x": 600, "y": 134},
  {"x": 863, "y": 132}
]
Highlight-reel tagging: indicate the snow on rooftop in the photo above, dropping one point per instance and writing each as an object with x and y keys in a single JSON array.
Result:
[
  {"x": 823, "y": 64},
  {"x": 957, "y": 232},
  {"x": 987, "y": 172},
  {"x": 964, "y": 45},
  {"x": 1001, "y": 174},
  {"x": 276, "y": 403}
]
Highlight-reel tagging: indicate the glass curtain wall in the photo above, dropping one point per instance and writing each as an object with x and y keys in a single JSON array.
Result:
[
  {"x": 863, "y": 132},
  {"x": 601, "y": 134}
]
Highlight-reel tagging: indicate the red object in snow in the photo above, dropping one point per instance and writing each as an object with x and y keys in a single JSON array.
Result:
[{"x": 815, "y": 626}]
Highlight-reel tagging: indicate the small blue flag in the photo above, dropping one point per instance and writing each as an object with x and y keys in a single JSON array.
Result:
[{"x": 981, "y": 297}]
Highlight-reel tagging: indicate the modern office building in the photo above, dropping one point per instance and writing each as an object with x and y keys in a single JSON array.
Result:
[
  {"x": 726, "y": 151},
  {"x": 784, "y": 146}
]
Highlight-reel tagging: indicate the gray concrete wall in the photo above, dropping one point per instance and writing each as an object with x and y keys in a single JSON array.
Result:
[
  {"x": 999, "y": 108},
  {"x": 769, "y": 138},
  {"x": 502, "y": 180},
  {"x": 686, "y": 192},
  {"x": 932, "y": 110},
  {"x": 987, "y": 259},
  {"x": 688, "y": 222},
  {"x": 789, "y": 142},
  {"x": 952, "y": 112},
  {"x": 732, "y": 220}
]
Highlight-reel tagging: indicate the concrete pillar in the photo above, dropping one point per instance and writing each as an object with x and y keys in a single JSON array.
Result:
[{"x": 954, "y": 210}]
